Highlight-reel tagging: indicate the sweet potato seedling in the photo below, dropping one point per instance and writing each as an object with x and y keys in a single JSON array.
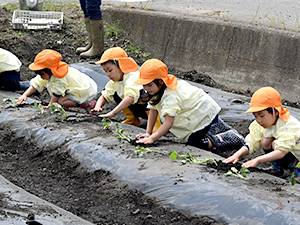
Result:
[
  {"x": 120, "y": 132},
  {"x": 188, "y": 158},
  {"x": 106, "y": 122},
  {"x": 242, "y": 173},
  {"x": 39, "y": 106},
  {"x": 13, "y": 101},
  {"x": 56, "y": 108},
  {"x": 141, "y": 151},
  {"x": 293, "y": 180}
]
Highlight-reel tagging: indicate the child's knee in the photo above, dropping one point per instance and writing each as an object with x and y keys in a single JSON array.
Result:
[{"x": 267, "y": 143}]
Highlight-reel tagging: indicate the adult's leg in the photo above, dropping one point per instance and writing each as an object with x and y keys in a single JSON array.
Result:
[{"x": 93, "y": 11}]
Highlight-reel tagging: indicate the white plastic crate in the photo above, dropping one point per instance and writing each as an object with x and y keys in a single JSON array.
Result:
[{"x": 25, "y": 19}]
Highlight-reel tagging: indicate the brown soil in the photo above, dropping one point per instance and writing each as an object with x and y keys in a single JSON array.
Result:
[{"x": 95, "y": 196}]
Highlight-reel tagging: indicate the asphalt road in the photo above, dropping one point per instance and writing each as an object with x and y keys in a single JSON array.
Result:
[{"x": 278, "y": 14}]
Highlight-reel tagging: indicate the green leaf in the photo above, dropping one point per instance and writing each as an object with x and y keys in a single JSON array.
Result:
[
  {"x": 293, "y": 180},
  {"x": 228, "y": 173},
  {"x": 245, "y": 170},
  {"x": 6, "y": 100},
  {"x": 13, "y": 101},
  {"x": 233, "y": 169},
  {"x": 173, "y": 155}
]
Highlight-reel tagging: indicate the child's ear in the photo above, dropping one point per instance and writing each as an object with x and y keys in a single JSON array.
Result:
[{"x": 161, "y": 82}]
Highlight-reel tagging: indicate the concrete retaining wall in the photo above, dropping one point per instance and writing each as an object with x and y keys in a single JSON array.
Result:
[{"x": 234, "y": 55}]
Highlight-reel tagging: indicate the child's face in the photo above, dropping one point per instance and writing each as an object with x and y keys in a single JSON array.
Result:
[
  {"x": 266, "y": 119},
  {"x": 44, "y": 75},
  {"x": 151, "y": 88},
  {"x": 112, "y": 71}
]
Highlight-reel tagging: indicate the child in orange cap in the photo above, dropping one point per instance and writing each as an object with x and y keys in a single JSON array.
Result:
[
  {"x": 122, "y": 72},
  {"x": 275, "y": 131},
  {"x": 66, "y": 86},
  {"x": 187, "y": 111}
]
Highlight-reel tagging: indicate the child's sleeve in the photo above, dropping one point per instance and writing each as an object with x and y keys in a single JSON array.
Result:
[
  {"x": 109, "y": 91},
  {"x": 38, "y": 83},
  {"x": 287, "y": 137},
  {"x": 253, "y": 139},
  {"x": 170, "y": 105},
  {"x": 130, "y": 88},
  {"x": 167, "y": 106}
]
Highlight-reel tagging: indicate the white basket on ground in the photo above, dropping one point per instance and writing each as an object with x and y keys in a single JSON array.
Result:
[{"x": 37, "y": 20}]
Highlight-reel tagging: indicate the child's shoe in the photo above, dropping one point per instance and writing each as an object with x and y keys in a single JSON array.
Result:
[
  {"x": 294, "y": 171},
  {"x": 88, "y": 106},
  {"x": 296, "y": 174},
  {"x": 275, "y": 169}
]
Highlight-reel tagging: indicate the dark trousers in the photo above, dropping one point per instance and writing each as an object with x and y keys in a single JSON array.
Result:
[
  {"x": 139, "y": 110},
  {"x": 9, "y": 80},
  {"x": 91, "y": 9}
]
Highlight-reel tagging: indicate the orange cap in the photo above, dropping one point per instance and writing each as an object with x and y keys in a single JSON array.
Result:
[
  {"x": 155, "y": 69},
  {"x": 126, "y": 63},
  {"x": 50, "y": 59},
  {"x": 268, "y": 97}
]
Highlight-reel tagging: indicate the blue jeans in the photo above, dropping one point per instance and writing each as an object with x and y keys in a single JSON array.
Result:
[{"x": 91, "y": 9}]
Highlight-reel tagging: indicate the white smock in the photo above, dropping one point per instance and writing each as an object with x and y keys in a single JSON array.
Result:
[
  {"x": 77, "y": 86},
  {"x": 286, "y": 134},
  {"x": 123, "y": 88},
  {"x": 8, "y": 61},
  {"x": 192, "y": 108}
]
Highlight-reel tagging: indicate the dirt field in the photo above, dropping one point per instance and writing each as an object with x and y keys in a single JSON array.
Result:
[{"x": 95, "y": 196}]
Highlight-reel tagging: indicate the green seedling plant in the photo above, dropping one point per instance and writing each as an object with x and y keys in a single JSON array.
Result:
[
  {"x": 188, "y": 158},
  {"x": 120, "y": 132},
  {"x": 58, "y": 109},
  {"x": 39, "y": 106},
  {"x": 13, "y": 101},
  {"x": 141, "y": 151},
  {"x": 147, "y": 5},
  {"x": 106, "y": 122},
  {"x": 293, "y": 180},
  {"x": 242, "y": 173},
  {"x": 113, "y": 29}
]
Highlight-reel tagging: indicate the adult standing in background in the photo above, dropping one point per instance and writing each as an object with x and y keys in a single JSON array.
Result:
[{"x": 94, "y": 28}]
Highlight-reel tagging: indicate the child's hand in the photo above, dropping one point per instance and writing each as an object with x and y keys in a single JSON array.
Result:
[
  {"x": 147, "y": 139},
  {"x": 142, "y": 135},
  {"x": 110, "y": 114},
  {"x": 21, "y": 99},
  {"x": 97, "y": 108},
  {"x": 251, "y": 163},
  {"x": 232, "y": 159}
]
